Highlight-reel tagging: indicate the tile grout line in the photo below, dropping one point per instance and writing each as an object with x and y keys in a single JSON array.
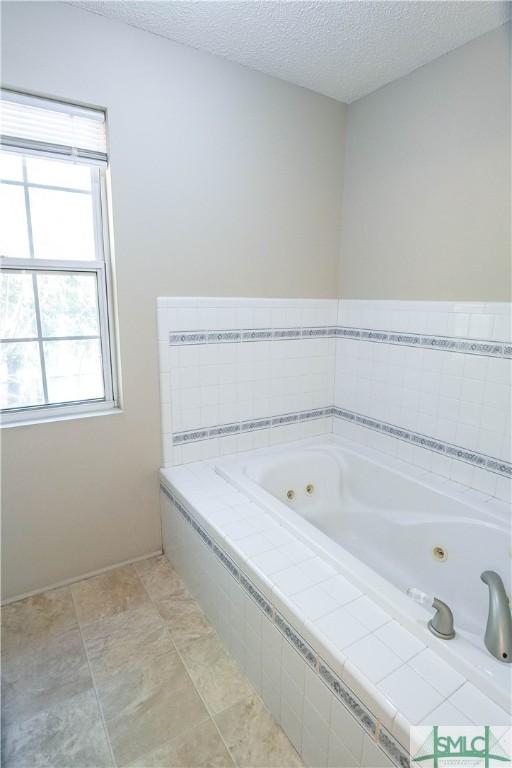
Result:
[
  {"x": 206, "y": 706},
  {"x": 94, "y": 684}
]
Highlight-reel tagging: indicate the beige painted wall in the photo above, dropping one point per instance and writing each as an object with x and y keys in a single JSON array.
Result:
[
  {"x": 426, "y": 206},
  {"x": 224, "y": 182}
]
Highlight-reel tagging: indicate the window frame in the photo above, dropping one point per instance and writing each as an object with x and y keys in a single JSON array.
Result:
[{"x": 102, "y": 268}]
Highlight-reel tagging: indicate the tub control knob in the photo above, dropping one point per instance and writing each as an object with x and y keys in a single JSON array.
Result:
[{"x": 441, "y": 623}]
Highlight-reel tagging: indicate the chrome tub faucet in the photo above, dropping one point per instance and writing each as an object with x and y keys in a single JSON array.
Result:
[{"x": 498, "y": 633}]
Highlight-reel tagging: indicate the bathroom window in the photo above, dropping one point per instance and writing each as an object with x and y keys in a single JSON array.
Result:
[{"x": 56, "y": 318}]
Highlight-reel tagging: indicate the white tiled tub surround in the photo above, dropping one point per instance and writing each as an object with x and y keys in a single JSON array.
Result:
[
  {"x": 268, "y": 367},
  {"x": 343, "y": 678},
  {"x": 426, "y": 382},
  {"x": 408, "y": 376}
]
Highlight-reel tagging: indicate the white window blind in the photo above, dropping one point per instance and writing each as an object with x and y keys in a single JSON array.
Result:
[{"x": 30, "y": 123}]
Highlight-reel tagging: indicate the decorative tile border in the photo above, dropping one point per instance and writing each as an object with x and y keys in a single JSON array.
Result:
[
  {"x": 480, "y": 460},
  {"x": 256, "y": 595},
  {"x": 345, "y": 694},
  {"x": 250, "y": 425},
  {"x": 392, "y": 747},
  {"x": 181, "y": 338},
  {"x": 227, "y": 562},
  {"x": 426, "y": 341},
  {"x": 295, "y": 639},
  {"x": 422, "y": 341},
  {"x": 389, "y": 745}
]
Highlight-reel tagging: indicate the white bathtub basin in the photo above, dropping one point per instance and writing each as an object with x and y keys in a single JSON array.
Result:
[{"x": 389, "y": 532}]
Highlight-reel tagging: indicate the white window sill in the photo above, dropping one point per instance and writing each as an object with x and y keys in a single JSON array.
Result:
[{"x": 46, "y": 417}]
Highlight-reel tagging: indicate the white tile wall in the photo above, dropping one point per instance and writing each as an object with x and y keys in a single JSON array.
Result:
[
  {"x": 474, "y": 320},
  {"x": 458, "y": 398},
  {"x": 211, "y": 384}
]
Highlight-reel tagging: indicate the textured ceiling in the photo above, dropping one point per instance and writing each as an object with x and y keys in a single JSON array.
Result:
[{"x": 341, "y": 49}]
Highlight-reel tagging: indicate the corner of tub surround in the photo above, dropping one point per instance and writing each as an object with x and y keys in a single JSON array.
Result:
[{"x": 204, "y": 494}]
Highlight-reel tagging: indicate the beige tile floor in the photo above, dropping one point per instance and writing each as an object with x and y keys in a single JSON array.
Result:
[{"x": 124, "y": 669}]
